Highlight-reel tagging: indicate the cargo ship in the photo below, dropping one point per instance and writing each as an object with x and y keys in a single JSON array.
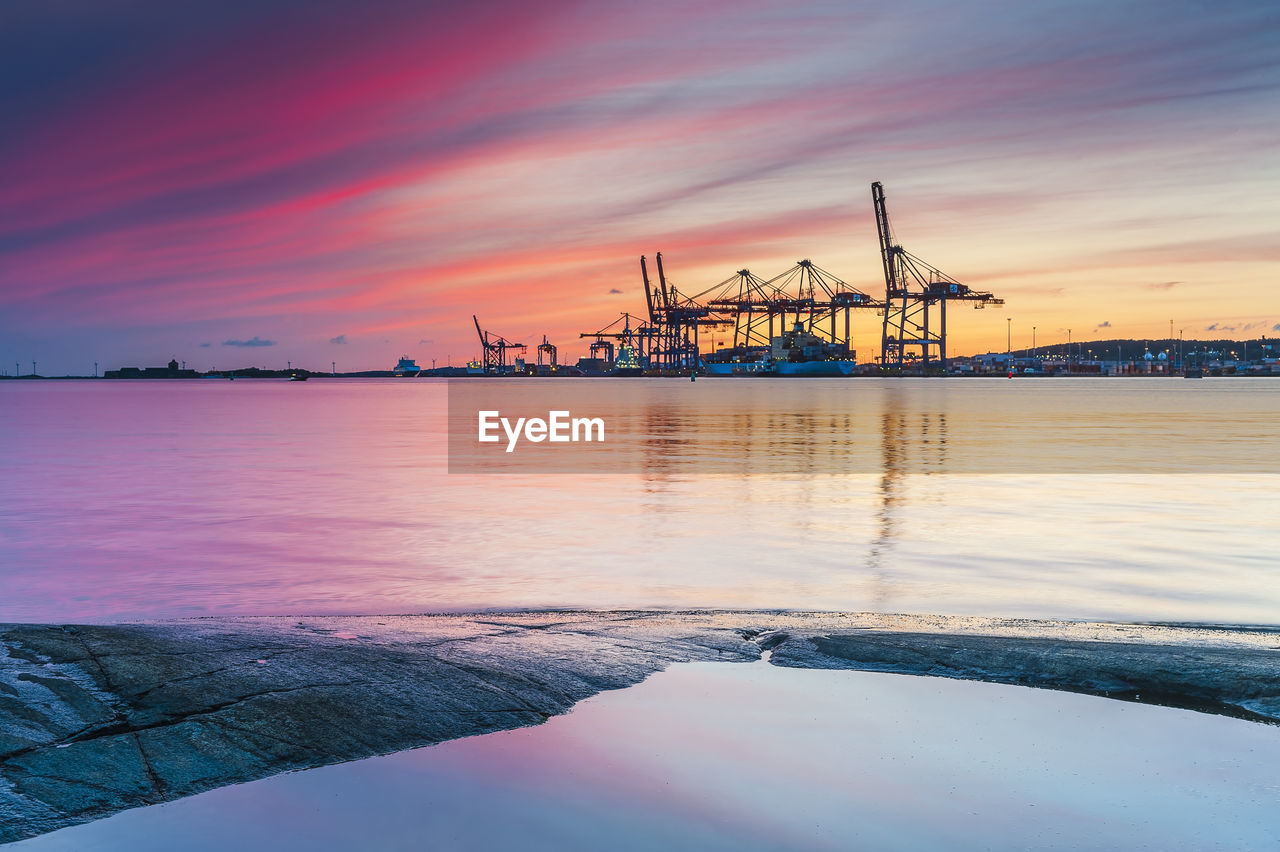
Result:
[
  {"x": 769, "y": 367},
  {"x": 792, "y": 353}
]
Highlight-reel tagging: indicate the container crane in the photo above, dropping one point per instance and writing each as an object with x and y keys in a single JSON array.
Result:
[
  {"x": 633, "y": 342},
  {"x": 912, "y": 289},
  {"x": 549, "y": 350},
  {"x": 495, "y": 349}
]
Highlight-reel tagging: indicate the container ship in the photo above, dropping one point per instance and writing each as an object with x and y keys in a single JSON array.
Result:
[{"x": 792, "y": 353}]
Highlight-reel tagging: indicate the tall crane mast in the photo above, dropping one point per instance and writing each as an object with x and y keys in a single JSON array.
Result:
[
  {"x": 885, "y": 234},
  {"x": 912, "y": 289},
  {"x": 648, "y": 292}
]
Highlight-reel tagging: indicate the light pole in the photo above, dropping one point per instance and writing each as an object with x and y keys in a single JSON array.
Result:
[
  {"x": 1068, "y": 346},
  {"x": 95, "y": 369},
  {"x": 1033, "y": 343},
  {"x": 1008, "y": 340}
]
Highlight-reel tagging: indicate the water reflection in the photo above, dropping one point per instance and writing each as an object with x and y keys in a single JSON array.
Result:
[
  {"x": 143, "y": 500},
  {"x": 759, "y": 427},
  {"x": 811, "y": 760}
]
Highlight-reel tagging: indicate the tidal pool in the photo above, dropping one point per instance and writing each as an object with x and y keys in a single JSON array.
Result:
[{"x": 755, "y": 756}]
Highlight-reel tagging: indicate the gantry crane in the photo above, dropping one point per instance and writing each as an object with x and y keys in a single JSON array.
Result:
[
  {"x": 674, "y": 320},
  {"x": 634, "y": 343},
  {"x": 912, "y": 288},
  {"x": 495, "y": 349},
  {"x": 548, "y": 349},
  {"x": 805, "y": 295}
]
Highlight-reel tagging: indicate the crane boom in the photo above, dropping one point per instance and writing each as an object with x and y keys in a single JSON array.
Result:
[
  {"x": 886, "y": 237},
  {"x": 648, "y": 294},
  {"x": 662, "y": 283}
]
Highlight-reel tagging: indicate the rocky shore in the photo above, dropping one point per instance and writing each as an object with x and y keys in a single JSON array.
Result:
[{"x": 95, "y": 719}]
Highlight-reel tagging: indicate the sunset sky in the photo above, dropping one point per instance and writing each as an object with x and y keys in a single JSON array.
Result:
[{"x": 245, "y": 183}]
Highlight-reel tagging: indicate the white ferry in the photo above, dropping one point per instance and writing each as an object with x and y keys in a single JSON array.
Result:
[{"x": 407, "y": 367}]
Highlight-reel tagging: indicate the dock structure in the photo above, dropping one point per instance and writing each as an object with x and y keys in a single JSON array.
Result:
[
  {"x": 495, "y": 349},
  {"x": 674, "y": 321},
  {"x": 805, "y": 300},
  {"x": 912, "y": 289},
  {"x": 806, "y": 295},
  {"x": 548, "y": 350},
  {"x": 634, "y": 348}
]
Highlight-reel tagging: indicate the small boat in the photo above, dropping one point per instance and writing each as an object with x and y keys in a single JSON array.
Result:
[
  {"x": 1193, "y": 374},
  {"x": 296, "y": 378}
]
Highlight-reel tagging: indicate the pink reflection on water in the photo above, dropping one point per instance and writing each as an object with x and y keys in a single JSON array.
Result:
[
  {"x": 755, "y": 757},
  {"x": 137, "y": 500}
]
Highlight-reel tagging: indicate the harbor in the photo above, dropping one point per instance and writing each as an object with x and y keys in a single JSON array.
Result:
[
  {"x": 752, "y": 427},
  {"x": 800, "y": 323}
]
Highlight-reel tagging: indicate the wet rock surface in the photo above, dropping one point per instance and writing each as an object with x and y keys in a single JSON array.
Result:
[
  {"x": 97, "y": 719},
  {"x": 1227, "y": 681}
]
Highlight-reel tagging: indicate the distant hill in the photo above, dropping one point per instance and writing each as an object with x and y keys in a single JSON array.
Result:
[{"x": 1133, "y": 349}]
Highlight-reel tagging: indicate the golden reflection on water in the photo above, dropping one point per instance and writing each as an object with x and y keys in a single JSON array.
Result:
[
  {"x": 142, "y": 500},
  {"x": 756, "y": 427}
]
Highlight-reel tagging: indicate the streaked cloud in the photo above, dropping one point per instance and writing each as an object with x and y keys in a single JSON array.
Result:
[
  {"x": 251, "y": 342},
  {"x": 388, "y": 166}
]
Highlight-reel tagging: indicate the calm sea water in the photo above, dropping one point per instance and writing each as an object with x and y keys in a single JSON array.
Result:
[{"x": 141, "y": 500}]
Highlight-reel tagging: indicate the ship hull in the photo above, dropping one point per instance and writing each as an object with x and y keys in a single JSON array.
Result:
[{"x": 781, "y": 368}]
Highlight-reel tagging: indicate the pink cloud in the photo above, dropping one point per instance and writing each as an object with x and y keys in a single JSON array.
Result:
[{"x": 417, "y": 163}]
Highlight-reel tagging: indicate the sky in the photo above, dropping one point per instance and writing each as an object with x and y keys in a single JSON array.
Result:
[{"x": 317, "y": 181}]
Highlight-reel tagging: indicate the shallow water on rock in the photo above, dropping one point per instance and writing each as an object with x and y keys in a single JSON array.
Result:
[{"x": 753, "y": 756}]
